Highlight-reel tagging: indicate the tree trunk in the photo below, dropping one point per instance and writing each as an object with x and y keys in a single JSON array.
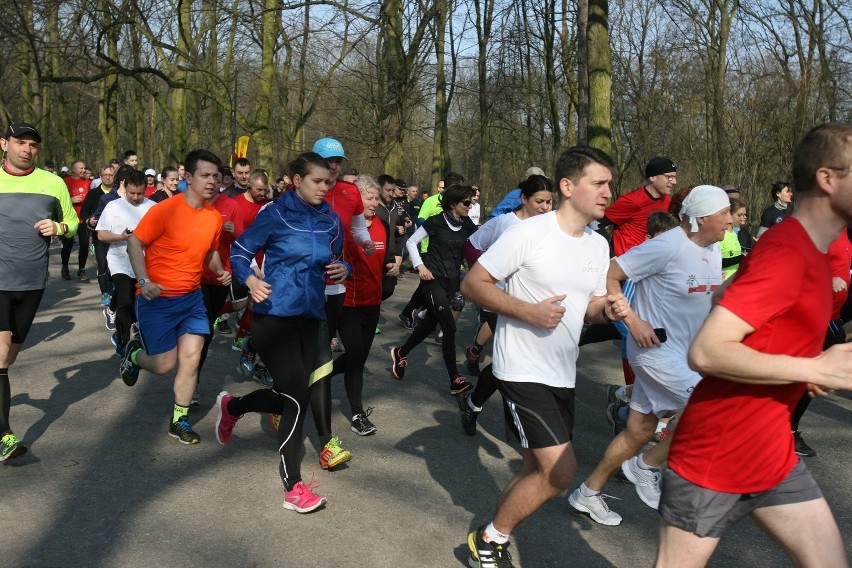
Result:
[{"x": 600, "y": 77}]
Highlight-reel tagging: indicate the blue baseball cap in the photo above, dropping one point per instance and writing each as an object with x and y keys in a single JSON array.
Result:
[{"x": 329, "y": 148}]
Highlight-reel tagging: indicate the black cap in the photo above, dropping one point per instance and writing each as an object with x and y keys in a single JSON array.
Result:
[
  {"x": 658, "y": 166},
  {"x": 226, "y": 171},
  {"x": 20, "y": 129},
  {"x": 401, "y": 184},
  {"x": 729, "y": 189}
]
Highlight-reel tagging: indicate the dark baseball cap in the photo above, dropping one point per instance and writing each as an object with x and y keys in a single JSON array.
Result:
[
  {"x": 659, "y": 166},
  {"x": 21, "y": 129}
]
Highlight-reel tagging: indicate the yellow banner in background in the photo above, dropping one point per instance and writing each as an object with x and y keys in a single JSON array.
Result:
[{"x": 240, "y": 148}]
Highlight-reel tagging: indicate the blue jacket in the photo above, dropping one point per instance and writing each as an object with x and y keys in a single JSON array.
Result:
[
  {"x": 299, "y": 240},
  {"x": 509, "y": 203}
]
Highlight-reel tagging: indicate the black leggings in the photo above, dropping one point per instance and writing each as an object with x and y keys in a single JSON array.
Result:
[
  {"x": 215, "y": 297},
  {"x": 83, "y": 253},
  {"x": 288, "y": 347},
  {"x": 101, "y": 250},
  {"x": 357, "y": 331},
  {"x": 486, "y": 385},
  {"x": 124, "y": 302},
  {"x": 437, "y": 298},
  {"x": 321, "y": 389}
]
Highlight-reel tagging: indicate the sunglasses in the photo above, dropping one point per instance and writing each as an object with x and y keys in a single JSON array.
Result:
[{"x": 466, "y": 202}]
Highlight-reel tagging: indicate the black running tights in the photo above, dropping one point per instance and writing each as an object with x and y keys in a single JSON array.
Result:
[{"x": 438, "y": 311}]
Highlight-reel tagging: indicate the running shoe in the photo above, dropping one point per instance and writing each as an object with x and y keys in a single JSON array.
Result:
[
  {"x": 274, "y": 420},
  {"x": 239, "y": 343},
  {"x": 82, "y": 276},
  {"x": 802, "y": 448},
  {"x": 302, "y": 499},
  {"x": 406, "y": 320},
  {"x": 595, "y": 506},
  {"x": 335, "y": 345},
  {"x": 614, "y": 396},
  {"x": 458, "y": 385},
  {"x": 612, "y": 416},
  {"x": 105, "y": 299},
  {"x": 196, "y": 398},
  {"x": 66, "y": 274},
  {"x": 471, "y": 360},
  {"x": 109, "y": 316},
  {"x": 646, "y": 481},
  {"x": 11, "y": 447},
  {"x": 487, "y": 554},
  {"x": 183, "y": 431},
  {"x": 119, "y": 348},
  {"x": 468, "y": 416},
  {"x": 222, "y": 326},
  {"x": 261, "y": 375},
  {"x": 225, "y": 421},
  {"x": 332, "y": 455},
  {"x": 134, "y": 330},
  {"x": 247, "y": 357},
  {"x": 398, "y": 363},
  {"x": 439, "y": 338},
  {"x": 129, "y": 371},
  {"x": 361, "y": 425},
  {"x": 378, "y": 330}
]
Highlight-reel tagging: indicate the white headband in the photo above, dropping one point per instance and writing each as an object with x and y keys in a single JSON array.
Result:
[{"x": 703, "y": 200}]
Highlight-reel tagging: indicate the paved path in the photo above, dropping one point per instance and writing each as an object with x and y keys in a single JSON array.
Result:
[{"x": 104, "y": 485}]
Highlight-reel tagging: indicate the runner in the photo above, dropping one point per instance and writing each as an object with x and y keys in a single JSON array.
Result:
[
  {"x": 535, "y": 345},
  {"x": 34, "y": 207},
  {"x": 78, "y": 188},
  {"x": 759, "y": 350},
  {"x": 167, "y": 251},
  {"x": 303, "y": 238}
]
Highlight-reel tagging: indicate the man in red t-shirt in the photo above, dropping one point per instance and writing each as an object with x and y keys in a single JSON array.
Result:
[
  {"x": 78, "y": 187},
  {"x": 760, "y": 348},
  {"x": 629, "y": 213}
]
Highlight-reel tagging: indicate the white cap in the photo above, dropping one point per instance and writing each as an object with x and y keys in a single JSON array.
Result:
[
  {"x": 64, "y": 169},
  {"x": 702, "y": 201},
  {"x": 150, "y": 172}
]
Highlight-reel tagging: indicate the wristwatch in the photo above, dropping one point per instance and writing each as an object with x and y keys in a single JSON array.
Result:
[{"x": 142, "y": 282}]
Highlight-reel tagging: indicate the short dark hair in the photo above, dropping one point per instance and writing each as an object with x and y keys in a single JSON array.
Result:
[
  {"x": 242, "y": 162},
  {"x": 776, "y": 188},
  {"x": 122, "y": 173},
  {"x": 826, "y": 145},
  {"x": 385, "y": 179},
  {"x": 455, "y": 194},
  {"x": 135, "y": 177},
  {"x": 351, "y": 172},
  {"x": 167, "y": 170},
  {"x": 303, "y": 163},
  {"x": 534, "y": 184},
  {"x": 660, "y": 222},
  {"x": 572, "y": 163},
  {"x": 200, "y": 155},
  {"x": 128, "y": 153},
  {"x": 453, "y": 178}
]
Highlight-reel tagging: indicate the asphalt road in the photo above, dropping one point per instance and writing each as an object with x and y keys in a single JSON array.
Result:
[{"x": 104, "y": 485}]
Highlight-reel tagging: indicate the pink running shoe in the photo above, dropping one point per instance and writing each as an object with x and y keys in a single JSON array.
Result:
[
  {"x": 302, "y": 499},
  {"x": 225, "y": 421}
]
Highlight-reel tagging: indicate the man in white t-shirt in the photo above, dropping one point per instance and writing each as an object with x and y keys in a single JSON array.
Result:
[
  {"x": 115, "y": 225},
  {"x": 555, "y": 271},
  {"x": 675, "y": 275}
]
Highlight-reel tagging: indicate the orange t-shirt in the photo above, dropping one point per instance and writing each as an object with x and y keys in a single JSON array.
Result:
[{"x": 177, "y": 237}]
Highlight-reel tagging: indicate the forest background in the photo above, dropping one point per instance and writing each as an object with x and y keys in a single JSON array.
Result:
[{"x": 416, "y": 88}]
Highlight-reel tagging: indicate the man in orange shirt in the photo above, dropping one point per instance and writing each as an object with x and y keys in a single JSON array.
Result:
[{"x": 168, "y": 249}]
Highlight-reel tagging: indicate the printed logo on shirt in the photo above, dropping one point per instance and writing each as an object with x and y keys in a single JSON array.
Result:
[
  {"x": 693, "y": 286},
  {"x": 590, "y": 267}
]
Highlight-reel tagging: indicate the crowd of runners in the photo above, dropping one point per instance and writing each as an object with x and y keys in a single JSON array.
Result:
[{"x": 726, "y": 336}]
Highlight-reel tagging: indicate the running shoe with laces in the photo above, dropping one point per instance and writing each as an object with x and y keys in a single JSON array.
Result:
[
  {"x": 332, "y": 455},
  {"x": 612, "y": 416},
  {"x": 439, "y": 338},
  {"x": 129, "y": 371},
  {"x": 261, "y": 375},
  {"x": 614, "y": 396},
  {"x": 468, "y": 415},
  {"x": 11, "y": 447},
  {"x": 225, "y": 421},
  {"x": 646, "y": 481},
  {"x": 182, "y": 430},
  {"x": 302, "y": 498},
  {"x": 802, "y": 447},
  {"x": 595, "y": 506},
  {"x": 471, "y": 360},
  {"x": 406, "y": 320},
  {"x": 239, "y": 343},
  {"x": 247, "y": 358},
  {"x": 459, "y": 385},
  {"x": 398, "y": 363},
  {"x": 82, "y": 276},
  {"x": 109, "y": 316},
  {"x": 361, "y": 425},
  {"x": 66, "y": 274},
  {"x": 487, "y": 554},
  {"x": 222, "y": 326}
]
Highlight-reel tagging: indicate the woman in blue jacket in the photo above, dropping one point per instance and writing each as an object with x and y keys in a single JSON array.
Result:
[{"x": 303, "y": 240}]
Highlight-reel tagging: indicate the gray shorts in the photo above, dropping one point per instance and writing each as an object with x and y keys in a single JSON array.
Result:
[{"x": 705, "y": 512}]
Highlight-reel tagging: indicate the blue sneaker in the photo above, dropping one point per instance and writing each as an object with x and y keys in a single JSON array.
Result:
[
  {"x": 129, "y": 371},
  {"x": 247, "y": 357},
  {"x": 261, "y": 375},
  {"x": 105, "y": 299}
]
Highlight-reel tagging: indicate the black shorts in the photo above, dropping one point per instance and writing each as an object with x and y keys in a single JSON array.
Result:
[
  {"x": 709, "y": 513},
  {"x": 17, "y": 312},
  {"x": 239, "y": 291},
  {"x": 537, "y": 415}
]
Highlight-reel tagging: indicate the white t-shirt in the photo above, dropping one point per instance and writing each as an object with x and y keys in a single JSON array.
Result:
[
  {"x": 117, "y": 216},
  {"x": 539, "y": 261},
  {"x": 675, "y": 279},
  {"x": 488, "y": 233},
  {"x": 473, "y": 213}
]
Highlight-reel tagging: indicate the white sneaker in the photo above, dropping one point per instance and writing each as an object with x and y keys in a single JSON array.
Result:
[
  {"x": 647, "y": 481},
  {"x": 595, "y": 506}
]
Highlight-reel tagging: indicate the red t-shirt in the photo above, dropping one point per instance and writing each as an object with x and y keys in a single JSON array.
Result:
[
  {"x": 248, "y": 208},
  {"x": 177, "y": 238},
  {"x": 840, "y": 253},
  {"x": 364, "y": 285},
  {"x": 77, "y": 188},
  {"x": 630, "y": 214},
  {"x": 150, "y": 190},
  {"x": 229, "y": 211},
  {"x": 735, "y": 437},
  {"x": 345, "y": 200}
]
